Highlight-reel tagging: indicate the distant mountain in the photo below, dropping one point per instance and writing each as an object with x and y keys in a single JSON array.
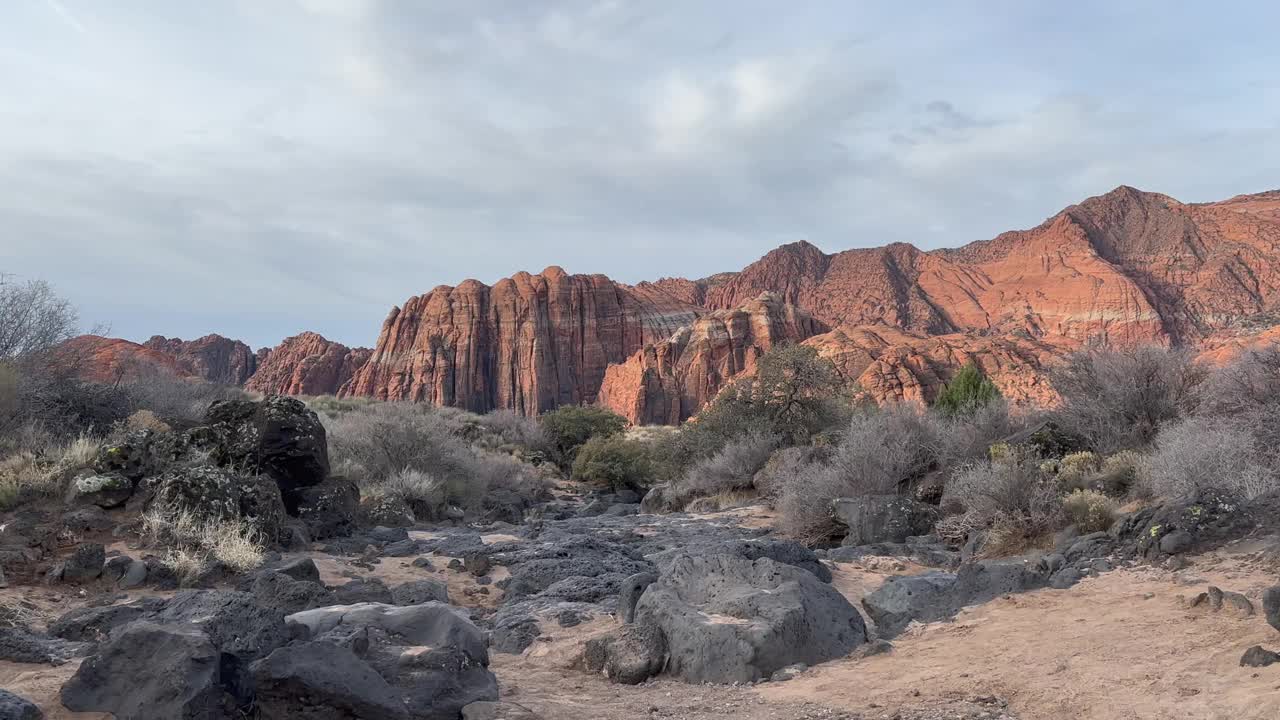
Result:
[{"x": 1124, "y": 268}]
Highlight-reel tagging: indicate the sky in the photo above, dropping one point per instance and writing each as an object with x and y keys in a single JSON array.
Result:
[{"x": 261, "y": 167}]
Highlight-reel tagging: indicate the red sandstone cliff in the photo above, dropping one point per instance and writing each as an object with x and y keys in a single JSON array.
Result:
[
  {"x": 530, "y": 342},
  {"x": 307, "y": 364},
  {"x": 212, "y": 357},
  {"x": 668, "y": 381}
]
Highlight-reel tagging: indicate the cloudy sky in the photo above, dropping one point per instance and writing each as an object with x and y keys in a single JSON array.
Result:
[{"x": 260, "y": 167}]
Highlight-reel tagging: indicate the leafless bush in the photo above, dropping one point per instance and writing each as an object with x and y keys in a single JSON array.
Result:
[
  {"x": 960, "y": 439},
  {"x": 1118, "y": 398},
  {"x": 385, "y": 438},
  {"x": 880, "y": 453},
  {"x": 1249, "y": 382},
  {"x": 421, "y": 455},
  {"x": 33, "y": 319},
  {"x": 512, "y": 429},
  {"x": 175, "y": 400},
  {"x": 1012, "y": 497},
  {"x": 786, "y": 464},
  {"x": 1208, "y": 452},
  {"x": 732, "y": 469}
]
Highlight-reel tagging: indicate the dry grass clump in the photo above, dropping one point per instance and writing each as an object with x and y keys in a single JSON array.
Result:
[
  {"x": 146, "y": 420},
  {"x": 190, "y": 543},
  {"x": 26, "y": 476}
]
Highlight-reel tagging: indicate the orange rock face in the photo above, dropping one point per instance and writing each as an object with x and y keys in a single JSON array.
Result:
[
  {"x": 1127, "y": 267},
  {"x": 529, "y": 343},
  {"x": 307, "y": 364},
  {"x": 212, "y": 357},
  {"x": 110, "y": 360},
  {"x": 668, "y": 381},
  {"x": 891, "y": 364}
]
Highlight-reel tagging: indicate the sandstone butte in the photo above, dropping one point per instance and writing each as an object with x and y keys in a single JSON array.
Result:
[
  {"x": 212, "y": 358},
  {"x": 1123, "y": 268},
  {"x": 307, "y": 364}
]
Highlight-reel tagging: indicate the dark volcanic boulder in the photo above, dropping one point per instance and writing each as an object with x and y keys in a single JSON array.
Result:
[
  {"x": 212, "y": 495},
  {"x": 150, "y": 671},
  {"x": 105, "y": 491},
  {"x": 786, "y": 552},
  {"x": 1209, "y": 519},
  {"x": 329, "y": 509},
  {"x": 279, "y": 437},
  {"x": 1271, "y": 606},
  {"x": 728, "y": 619},
  {"x": 13, "y": 707},
  {"x": 883, "y": 518},
  {"x": 18, "y": 644},
  {"x": 276, "y": 590},
  {"x": 85, "y": 563},
  {"x": 431, "y": 654},
  {"x": 323, "y": 681},
  {"x": 234, "y": 621},
  {"x": 95, "y": 624},
  {"x": 417, "y": 592}
]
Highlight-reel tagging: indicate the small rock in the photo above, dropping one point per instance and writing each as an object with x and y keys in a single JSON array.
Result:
[
  {"x": 423, "y": 562},
  {"x": 1258, "y": 656},
  {"x": 1271, "y": 606},
  {"x": 13, "y": 707},
  {"x": 1178, "y": 541},
  {"x": 789, "y": 672}
]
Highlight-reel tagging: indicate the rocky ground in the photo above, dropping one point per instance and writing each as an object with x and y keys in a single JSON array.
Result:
[{"x": 591, "y": 609}]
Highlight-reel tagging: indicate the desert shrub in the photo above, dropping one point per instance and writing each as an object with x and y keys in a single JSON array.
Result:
[
  {"x": 333, "y": 406},
  {"x": 191, "y": 544},
  {"x": 1118, "y": 473},
  {"x": 422, "y": 455},
  {"x": 959, "y": 439},
  {"x": 384, "y": 438},
  {"x": 1247, "y": 383},
  {"x": 570, "y": 427},
  {"x": 1076, "y": 470},
  {"x": 1089, "y": 510},
  {"x": 506, "y": 428},
  {"x": 1012, "y": 497},
  {"x": 881, "y": 452},
  {"x": 730, "y": 470},
  {"x": 614, "y": 461},
  {"x": 26, "y": 476},
  {"x": 1117, "y": 399},
  {"x": 174, "y": 400},
  {"x": 787, "y": 463},
  {"x": 1207, "y": 452},
  {"x": 968, "y": 391},
  {"x": 146, "y": 420},
  {"x": 795, "y": 395}
]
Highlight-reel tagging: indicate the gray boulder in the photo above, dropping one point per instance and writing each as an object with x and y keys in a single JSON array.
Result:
[
  {"x": 431, "y": 654},
  {"x": 1258, "y": 656},
  {"x": 325, "y": 682},
  {"x": 728, "y": 619},
  {"x": 149, "y": 671},
  {"x": 235, "y": 622},
  {"x": 882, "y": 518},
  {"x": 214, "y": 495},
  {"x": 1271, "y": 606},
  {"x": 301, "y": 569},
  {"x": 95, "y": 624},
  {"x": 903, "y": 598},
  {"x": 277, "y": 590},
  {"x": 13, "y": 707},
  {"x": 632, "y": 588},
  {"x": 361, "y": 590},
  {"x": 629, "y": 656},
  {"x": 417, "y": 592}
]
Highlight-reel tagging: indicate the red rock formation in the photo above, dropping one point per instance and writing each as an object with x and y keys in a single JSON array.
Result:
[
  {"x": 212, "y": 357},
  {"x": 110, "y": 360},
  {"x": 529, "y": 343},
  {"x": 1124, "y": 267},
  {"x": 891, "y": 364},
  {"x": 668, "y": 381},
  {"x": 307, "y": 364}
]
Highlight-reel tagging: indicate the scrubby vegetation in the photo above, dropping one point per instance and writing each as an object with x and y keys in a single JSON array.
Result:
[
  {"x": 968, "y": 391},
  {"x": 435, "y": 459},
  {"x": 570, "y": 427}
]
